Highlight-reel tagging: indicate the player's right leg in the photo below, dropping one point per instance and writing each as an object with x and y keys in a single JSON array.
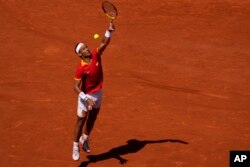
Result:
[{"x": 82, "y": 115}]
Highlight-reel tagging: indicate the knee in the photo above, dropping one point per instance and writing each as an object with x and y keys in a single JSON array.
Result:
[
  {"x": 82, "y": 114},
  {"x": 80, "y": 120}
]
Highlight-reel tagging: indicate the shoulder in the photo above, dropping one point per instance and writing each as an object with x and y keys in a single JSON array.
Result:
[
  {"x": 81, "y": 66},
  {"x": 96, "y": 52},
  {"x": 80, "y": 70}
]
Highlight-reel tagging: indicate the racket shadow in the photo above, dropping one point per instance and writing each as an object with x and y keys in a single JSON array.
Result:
[{"x": 132, "y": 146}]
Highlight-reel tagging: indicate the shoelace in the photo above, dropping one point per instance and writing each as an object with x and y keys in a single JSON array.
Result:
[{"x": 75, "y": 149}]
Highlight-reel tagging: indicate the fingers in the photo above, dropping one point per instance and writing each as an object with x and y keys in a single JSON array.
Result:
[
  {"x": 90, "y": 103},
  {"x": 90, "y": 107}
]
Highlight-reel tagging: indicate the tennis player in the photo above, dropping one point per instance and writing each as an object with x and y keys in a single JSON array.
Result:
[{"x": 88, "y": 85}]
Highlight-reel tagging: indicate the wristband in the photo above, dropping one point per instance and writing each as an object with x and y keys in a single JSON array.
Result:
[
  {"x": 83, "y": 96},
  {"x": 107, "y": 34}
]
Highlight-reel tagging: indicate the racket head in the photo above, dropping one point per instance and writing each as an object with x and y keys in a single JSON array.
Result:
[{"x": 109, "y": 9}]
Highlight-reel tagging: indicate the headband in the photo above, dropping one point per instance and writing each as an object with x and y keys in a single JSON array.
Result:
[{"x": 78, "y": 47}]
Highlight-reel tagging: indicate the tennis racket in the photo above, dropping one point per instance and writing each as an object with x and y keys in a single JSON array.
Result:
[{"x": 110, "y": 10}]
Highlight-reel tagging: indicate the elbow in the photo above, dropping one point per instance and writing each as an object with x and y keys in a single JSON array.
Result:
[
  {"x": 105, "y": 43},
  {"x": 75, "y": 87}
]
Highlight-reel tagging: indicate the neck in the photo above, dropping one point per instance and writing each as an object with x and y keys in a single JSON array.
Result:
[{"x": 87, "y": 60}]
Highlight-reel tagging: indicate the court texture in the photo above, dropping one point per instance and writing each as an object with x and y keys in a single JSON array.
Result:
[{"x": 176, "y": 82}]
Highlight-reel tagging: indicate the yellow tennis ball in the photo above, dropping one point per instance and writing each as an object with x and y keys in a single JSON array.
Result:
[{"x": 96, "y": 36}]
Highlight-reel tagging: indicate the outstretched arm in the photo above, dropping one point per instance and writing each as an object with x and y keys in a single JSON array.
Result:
[{"x": 106, "y": 38}]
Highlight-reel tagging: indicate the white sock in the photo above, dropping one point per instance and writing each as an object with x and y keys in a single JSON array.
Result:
[
  {"x": 75, "y": 144},
  {"x": 85, "y": 137},
  {"x": 80, "y": 139}
]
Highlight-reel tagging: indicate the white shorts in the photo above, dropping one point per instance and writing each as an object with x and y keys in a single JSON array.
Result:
[{"x": 82, "y": 105}]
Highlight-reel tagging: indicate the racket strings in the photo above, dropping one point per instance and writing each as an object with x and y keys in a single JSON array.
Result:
[{"x": 109, "y": 9}]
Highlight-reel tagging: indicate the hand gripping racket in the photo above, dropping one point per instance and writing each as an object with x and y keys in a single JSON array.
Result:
[{"x": 110, "y": 10}]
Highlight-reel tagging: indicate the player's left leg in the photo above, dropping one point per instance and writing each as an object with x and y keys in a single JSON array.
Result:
[
  {"x": 91, "y": 120},
  {"x": 88, "y": 128}
]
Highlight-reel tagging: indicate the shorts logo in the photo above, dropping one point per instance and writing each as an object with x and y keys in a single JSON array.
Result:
[{"x": 96, "y": 63}]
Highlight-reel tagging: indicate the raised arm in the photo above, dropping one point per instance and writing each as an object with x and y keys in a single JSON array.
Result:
[{"x": 106, "y": 38}]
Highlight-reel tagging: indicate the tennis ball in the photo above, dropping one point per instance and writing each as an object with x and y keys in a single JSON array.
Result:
[{"x": 96, "y": 36}]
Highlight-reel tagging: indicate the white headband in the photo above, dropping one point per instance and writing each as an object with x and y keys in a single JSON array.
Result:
[{"x": 78, "y": 47}]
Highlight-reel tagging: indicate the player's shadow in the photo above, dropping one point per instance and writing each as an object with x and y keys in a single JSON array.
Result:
[{"x": 132, "y": 146}]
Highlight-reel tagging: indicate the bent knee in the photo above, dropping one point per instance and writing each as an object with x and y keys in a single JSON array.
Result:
[{"x": 82, "y": 114}]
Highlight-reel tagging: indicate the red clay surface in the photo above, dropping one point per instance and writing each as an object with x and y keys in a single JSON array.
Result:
[{"x": 176, "y": 71}]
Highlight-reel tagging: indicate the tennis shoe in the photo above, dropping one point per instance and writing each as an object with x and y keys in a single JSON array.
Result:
[
  {"x": 85, "y": 146},
  {"x": 75, "y": 153}
]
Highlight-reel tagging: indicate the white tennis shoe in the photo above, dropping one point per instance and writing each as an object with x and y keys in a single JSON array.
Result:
[{"x": 76, "y": 153}]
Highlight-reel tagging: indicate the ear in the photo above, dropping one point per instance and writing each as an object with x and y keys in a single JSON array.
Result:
[{"x": 79, "y": 54}]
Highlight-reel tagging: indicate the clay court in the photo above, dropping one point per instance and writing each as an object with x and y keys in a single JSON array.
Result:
[{"x": 176, "y": 82}]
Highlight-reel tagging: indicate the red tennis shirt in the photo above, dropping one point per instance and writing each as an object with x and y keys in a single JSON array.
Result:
[{"x": 90, "y": 73}]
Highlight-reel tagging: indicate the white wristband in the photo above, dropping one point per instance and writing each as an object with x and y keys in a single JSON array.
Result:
[
  {"x": 83, "y": 96},
  {"x": 107, "y": 34}
]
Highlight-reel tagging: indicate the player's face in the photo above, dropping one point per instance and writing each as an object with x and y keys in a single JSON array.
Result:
[{"x": 84, "y": 51}]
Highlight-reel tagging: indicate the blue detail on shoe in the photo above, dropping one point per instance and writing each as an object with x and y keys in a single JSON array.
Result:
[{"x": 85, "y": 146}]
